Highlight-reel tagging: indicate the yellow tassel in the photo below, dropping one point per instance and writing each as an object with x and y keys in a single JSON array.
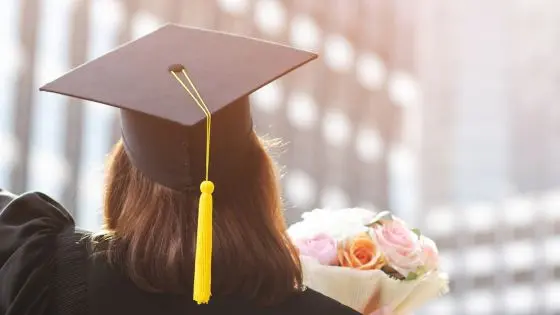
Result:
[{"x": 203, "y": 258}]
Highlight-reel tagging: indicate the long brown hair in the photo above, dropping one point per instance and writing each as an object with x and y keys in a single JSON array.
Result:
[{"x": 152, "y": 231}]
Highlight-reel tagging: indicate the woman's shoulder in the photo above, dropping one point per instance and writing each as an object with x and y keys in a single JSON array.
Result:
[
  {"x": 313, "y": 302},
  {"x": 30, "y": 225},
  {"x": 5, "y": 198},
  {"x": 32, "y": 210}
]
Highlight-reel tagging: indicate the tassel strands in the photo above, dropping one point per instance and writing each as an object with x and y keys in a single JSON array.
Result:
[{"x": 203, "y": 257}]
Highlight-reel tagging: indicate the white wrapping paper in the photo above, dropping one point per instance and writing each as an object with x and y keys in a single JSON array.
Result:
[{"x": 355, "y": 288}]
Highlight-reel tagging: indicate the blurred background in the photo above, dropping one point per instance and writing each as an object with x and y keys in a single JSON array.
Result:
[{"x": 445, "y": 112}]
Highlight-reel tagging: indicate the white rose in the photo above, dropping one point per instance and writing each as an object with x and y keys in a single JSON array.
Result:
[{"x": 338, "y": 224}]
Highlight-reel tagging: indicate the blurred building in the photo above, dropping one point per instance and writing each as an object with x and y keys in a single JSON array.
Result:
[
  {"x": 444, "y": 111},
  {"x": 338, "y": 116},
  {"x": 490, "y": 145},
  {"x": 503, "y": 257}
]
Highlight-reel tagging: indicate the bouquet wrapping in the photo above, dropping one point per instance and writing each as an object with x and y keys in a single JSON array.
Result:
[{"x": 350, "y": 254}]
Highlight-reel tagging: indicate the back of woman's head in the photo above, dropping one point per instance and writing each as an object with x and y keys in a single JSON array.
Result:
[{"x": 153, "y": 230}]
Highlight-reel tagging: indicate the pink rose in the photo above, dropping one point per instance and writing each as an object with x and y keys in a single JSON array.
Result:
[
  {"x": 400, "y": 245},
  {"x": 430, "y": 253},
  {"x": 321, "y": 247}
]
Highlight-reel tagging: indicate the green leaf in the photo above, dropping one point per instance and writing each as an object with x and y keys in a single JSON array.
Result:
[
  {"x": 381, "y": 216},
  {"x": 420, "y": 271},
  {"x": 411, "y": 276},
  {"x": 417, "y": 232}
]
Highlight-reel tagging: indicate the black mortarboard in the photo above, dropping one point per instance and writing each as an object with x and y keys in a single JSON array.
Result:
[
  {"x": 164, "y": 125},
  {"x": 135, "y": 77}
]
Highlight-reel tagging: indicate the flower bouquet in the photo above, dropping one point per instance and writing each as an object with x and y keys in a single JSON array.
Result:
[{"x": 350, "y": 254}]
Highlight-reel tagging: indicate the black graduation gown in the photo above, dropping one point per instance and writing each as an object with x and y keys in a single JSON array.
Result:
[{"x": 45, "y": 269}]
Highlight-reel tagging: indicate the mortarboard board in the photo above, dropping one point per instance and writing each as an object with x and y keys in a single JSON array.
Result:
[
  {"x": 168, "y": 84},
  {"x": 135, "y": 78}
]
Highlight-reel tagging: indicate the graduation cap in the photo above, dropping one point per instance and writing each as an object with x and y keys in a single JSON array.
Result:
[{"x": 183, "y": 94}]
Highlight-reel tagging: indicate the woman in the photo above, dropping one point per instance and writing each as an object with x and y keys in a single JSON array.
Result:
[{"x": 156, "y": 232}]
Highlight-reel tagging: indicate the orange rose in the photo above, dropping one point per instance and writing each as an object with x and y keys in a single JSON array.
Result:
[{"x": 361, "y": 253}]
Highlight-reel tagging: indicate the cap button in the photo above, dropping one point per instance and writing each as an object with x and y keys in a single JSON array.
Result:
[{"x": 176, "y": 67}]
